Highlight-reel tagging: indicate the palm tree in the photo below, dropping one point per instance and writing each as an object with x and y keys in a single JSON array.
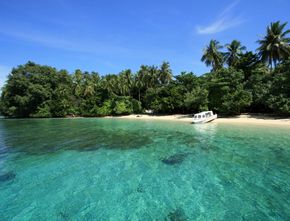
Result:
[
  {"x": 89, "y": 84},
  {"x": 125, "y": 79},
  {"x": 234, "y": 52},
  {"x": 165, "y": 73},
  {"x": 139, "y": 84},
  {"x": 275, "y": 46},
  {"x": 140, "y": 79},
  {"x": 77, "y": 80},
  {"x": 109, "y": 83},
  {"x": 150, "y": 78},
  {"x": 89, "y": 87},
  {"x": 212, "y": 56}
]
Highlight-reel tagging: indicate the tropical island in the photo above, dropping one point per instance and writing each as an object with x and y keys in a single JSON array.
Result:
[
  {"x": 117, "y": 142},
  {"x": 240, "y": 81}
]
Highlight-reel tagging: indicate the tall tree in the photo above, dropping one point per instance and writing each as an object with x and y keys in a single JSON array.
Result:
[
  {"x": 125, "y": 82},
  {"x": 139, "y": 79},
  {"x": 89, "y": 86},
  {"x": 234, "y": 52},
  {"x": 109, "y": 83},
  {"x": 165, "y": 73},
  {"x": 78, "y": 81},
  {"x": 212, "y": 56},
  {"x": 275, "y": 45}
]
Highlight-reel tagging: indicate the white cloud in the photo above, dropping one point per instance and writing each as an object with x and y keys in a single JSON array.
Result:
[
  {"x": 219, "y": 25},
  {"x": 223, "y": 22},
  {"x": 227, "y": 10}
]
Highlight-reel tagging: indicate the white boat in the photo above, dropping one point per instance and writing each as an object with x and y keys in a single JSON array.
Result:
[
  {"x": 148, "y": 111},
  {"x": 204, "y": 117}
]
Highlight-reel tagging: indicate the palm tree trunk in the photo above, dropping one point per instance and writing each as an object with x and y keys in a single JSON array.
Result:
[{"x": 139, "y": 95}]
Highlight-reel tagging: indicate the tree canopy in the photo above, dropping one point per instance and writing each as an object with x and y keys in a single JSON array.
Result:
[
  {"x": 240, "y": 81},
  {"x": 274, "y": 47}
]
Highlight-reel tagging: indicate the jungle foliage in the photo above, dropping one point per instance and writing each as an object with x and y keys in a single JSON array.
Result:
[{"x": 240, "y": 81}]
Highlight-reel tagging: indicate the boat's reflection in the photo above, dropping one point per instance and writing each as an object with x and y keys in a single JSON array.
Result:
[{"x": 206, "y": 131}]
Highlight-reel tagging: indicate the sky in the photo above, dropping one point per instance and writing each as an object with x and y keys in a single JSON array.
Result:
[{"x": 109, "y": 36}]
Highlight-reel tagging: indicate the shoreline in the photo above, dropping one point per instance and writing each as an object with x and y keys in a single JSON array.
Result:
[
  {"x": 262, "y": 120},
  {"x": 243, "y": 119}
]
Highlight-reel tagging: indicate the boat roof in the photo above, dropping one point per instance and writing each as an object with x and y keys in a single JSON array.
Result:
[{"x": 204, "y": 112}]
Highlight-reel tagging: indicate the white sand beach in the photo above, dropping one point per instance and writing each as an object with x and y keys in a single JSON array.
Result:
[{"x": 241, "y": 119}]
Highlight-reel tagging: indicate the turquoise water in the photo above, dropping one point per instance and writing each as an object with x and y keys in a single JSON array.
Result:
[{"x": 115, "y": 169}]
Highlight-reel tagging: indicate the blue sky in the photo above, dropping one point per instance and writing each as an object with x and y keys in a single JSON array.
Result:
[{"x": 109, "y": 36}]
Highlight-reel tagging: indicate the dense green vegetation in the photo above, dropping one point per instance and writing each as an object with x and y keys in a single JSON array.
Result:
[{"x": 240, "y": 81}]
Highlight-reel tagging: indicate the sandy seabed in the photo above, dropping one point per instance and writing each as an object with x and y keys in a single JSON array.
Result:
[{"x": 262, "y": 120}]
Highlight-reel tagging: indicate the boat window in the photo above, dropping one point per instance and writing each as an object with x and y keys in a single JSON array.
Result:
[
  {"x": 199, "y": 116},
  {"x": 203, "y": 116}
]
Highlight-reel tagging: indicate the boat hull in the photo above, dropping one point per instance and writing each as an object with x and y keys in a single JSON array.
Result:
[{"x": 206, "y": 120}]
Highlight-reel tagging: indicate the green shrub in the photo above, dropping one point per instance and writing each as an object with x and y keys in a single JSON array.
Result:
[
  {"x": 137, "y": 106},
  {"x": 105, "y": 109},
  {"x": 123, "y": 106},
  {"x": 42, "y": 111}
]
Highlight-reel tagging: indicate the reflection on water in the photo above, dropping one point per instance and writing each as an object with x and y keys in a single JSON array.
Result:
[{"x": 207, "y": 130}]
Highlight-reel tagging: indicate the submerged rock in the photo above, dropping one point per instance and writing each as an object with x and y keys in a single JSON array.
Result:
[
  {"x": 175, "y": 159},
  {"x": 64, "y": 216},
  {"x": 7, "y": 176},
  {"x": 176, "y": 215},
  {"x": 183, "y": 140},
  {"x": 140, "y": 189},
  {"x": 81, "y": 139},
  {"x": 85, "y": 146},
  {"x": 125, "y": 141}
]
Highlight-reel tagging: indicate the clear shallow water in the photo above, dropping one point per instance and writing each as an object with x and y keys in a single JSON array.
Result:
[{"x": 114, "y": 169}]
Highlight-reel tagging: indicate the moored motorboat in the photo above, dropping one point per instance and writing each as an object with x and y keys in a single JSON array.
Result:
[{"x": 204, "y": 117}]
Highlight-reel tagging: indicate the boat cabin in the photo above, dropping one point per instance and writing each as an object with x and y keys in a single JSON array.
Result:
[{"x": 203, "y": 115}]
